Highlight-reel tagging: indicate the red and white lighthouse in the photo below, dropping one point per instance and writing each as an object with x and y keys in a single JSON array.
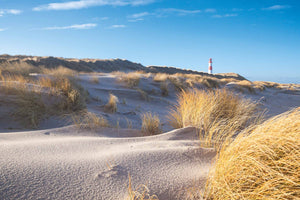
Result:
[{"x": 210, "y": 66}]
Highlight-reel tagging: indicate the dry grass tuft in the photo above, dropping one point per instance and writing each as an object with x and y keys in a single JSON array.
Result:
[
  {"x": 208, "y": 82},
  {"x": 129, "y": 123},
  {"x": 178, "y": 82},
  {"x": 30, "y": 108},
  {"x": 37, "y": 97},
  {"x": 143, "y": 95},
  {"x": 111, "y": 106},
  {"x": 131, "y": 79},
  {"x": 260, "y": 164},
  {"x": 19, "y": 68},
  {"x": 218, "y": 114},
  {"x": 150, "y": 124},
  {"x": 94, "y": 79},
  {"x": 164, "y": 89},
  {"x": 60, "y": 72},
  {"x": 245, "y": 85},
  {"x": 160, "y": 77},
  {"x": 259, "y": 86},
  {"x": 267, "y": 84},
  {"x": 73, "y": 95},
  {"x": 228, "y": 80},
  {"x": 88, "y": 120},
  {"x": 140, "y": 193}
]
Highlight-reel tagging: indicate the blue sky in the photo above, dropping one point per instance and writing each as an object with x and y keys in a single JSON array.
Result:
[{"x": 259, "y": 39}]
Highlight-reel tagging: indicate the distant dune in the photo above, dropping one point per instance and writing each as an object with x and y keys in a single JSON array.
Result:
[{"x": 102, "y": 65}]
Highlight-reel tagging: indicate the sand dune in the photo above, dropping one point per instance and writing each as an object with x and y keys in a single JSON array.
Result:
[
  {"x": 100, "y": 65},
  {"x": 68, "y": 164}
]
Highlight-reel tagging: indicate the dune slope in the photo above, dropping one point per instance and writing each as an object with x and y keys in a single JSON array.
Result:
[{"x": 68, "y": 164}]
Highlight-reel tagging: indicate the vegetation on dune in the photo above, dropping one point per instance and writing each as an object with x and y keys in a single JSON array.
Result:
[
  {"x": 160, "y": 77},
  {"x": 88, "y": 120},
  {"x": 60, "y": 72},
  {"x": 19, "y": 68},
  {"x": 30, "y": 108},
  {"x": 143, "y": 94},
  {"x": 178, "y": 83},
  {"x": 111, "y": 106},
  {"x": 263, "y": 163},
  {"x": 140, "y": 193},
  {"x": 208, "y": 82},
  {"x": 38, "y": 96},
  {"x": 218, "y": 114},
  {"x": 150, "y": 124},
  {"x": 164, "y": 89},
  {"x": 94, "y": 79},
  {"x": 131, "y": 80}
]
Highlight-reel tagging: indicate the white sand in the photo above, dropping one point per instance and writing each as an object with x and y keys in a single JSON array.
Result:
[{"x": 53, "y": 164}]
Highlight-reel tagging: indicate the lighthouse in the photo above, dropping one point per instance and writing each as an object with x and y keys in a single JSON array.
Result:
[{"x": 210, "y": 66}]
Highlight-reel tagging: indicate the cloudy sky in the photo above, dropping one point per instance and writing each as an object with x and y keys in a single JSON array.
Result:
[{"x": 259, "y": 39}]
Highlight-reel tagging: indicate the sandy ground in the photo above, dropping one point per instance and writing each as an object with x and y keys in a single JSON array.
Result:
[{"x": 67, "y": 163}]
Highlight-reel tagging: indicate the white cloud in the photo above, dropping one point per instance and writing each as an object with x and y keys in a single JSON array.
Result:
[
  {"x": 71, "y": 5},
  {"x": 117, "y": 26},
  {"x": 139, "y": 15},
  {"x": 224, "y": 16},
  {"x": 237, "y": 9},
  {"x": 136, "y": 20},
  {"x": 9, "y": 11},
  {"x": 178, "y": 11},
  {"x": 277, "y": 7},
  {"x": 167, "y": 12},
  {"x": 14, "y": 11},
  {"x": 2, "y": 29},
  {"x": 210, "y": 10},
  {"x": 75, "y": 27}
]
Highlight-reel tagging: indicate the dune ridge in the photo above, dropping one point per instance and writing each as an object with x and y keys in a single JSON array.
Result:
[
  {"x": 64, "y": 163},
  {"x": 101, "y": 65}
]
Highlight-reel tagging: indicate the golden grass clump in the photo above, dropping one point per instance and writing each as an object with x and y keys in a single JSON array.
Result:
[
  {"x": 160, "y": 77},
  {"x": 94, "y": 79},
  {"x": 144, "y": 95},
  {"x": 164, "y": 89},
  {"x": 111, "y": 106},
  {"x": 260, "y": 164},
  {"x": 73, "y": 95},
  {"x": 30, "y": 108},
  {"x": 259, "y": 86},
  {"x": 60, "y": 71},
  {"x": 131, "y": 79},
  {"x": 11, "y": 84},
  {"x": 140, "y": 193},
  {"x": 208, "y": 82},
  {"x": 245, "y": 85},
  {"x": 88, "y": 120},
  {"x": 19, "y": 68},
  {"x": 218, "y": 114},
  {"x": 228, "y": 80},
  {"x": 266, "y": 84},
  {"x": 150, "y": 124},
  {"x": 178, "y": 83},
  {"x": 37, "y": 97}
]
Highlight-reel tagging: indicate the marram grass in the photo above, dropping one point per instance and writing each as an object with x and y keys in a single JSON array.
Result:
[
  {"x": 218, "y": 114},
  {"x": 263, "y": 163}
]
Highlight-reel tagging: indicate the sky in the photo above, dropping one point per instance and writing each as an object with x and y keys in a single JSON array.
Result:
[{"x": 259, "y": 39}]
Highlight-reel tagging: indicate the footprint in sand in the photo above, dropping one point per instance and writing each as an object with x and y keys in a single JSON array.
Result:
[{"x": 113, "y": 171}]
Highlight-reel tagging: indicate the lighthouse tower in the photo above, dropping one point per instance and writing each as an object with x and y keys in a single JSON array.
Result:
[{"x": 210, "y": 66}]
